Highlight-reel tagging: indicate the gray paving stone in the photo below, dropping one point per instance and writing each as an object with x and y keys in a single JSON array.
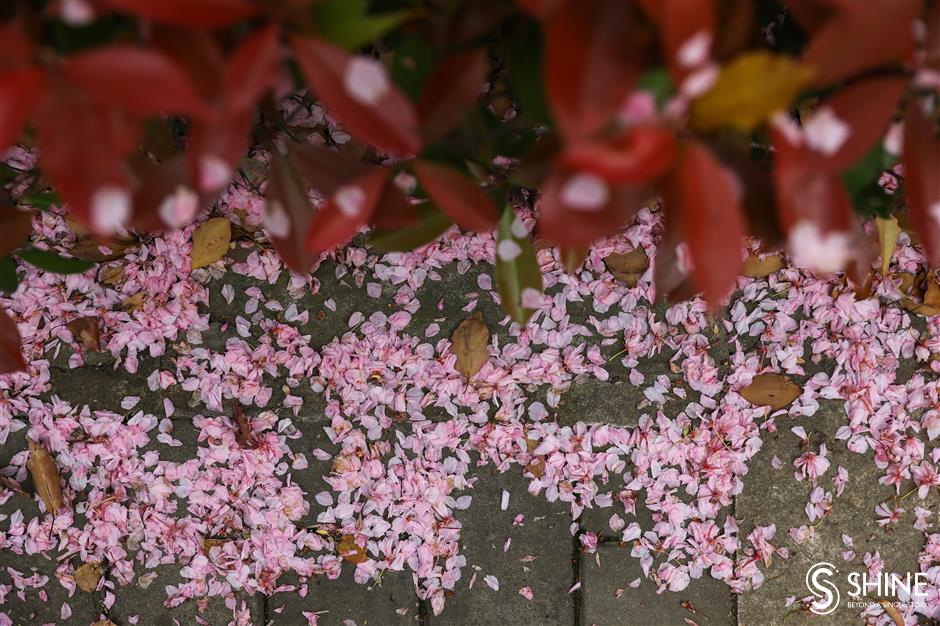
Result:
[
  {"x": 32, "y": 608},
  {"x": 544, "y": 534},
  {"x": 102, "y": 387},
  {"x": 148, "y": 603},
  {"x": 774, "y": 496},
  {"x": 602, "y": 401},
  {"x": 390, "y": 601},
  {"x": 608, "y": 599}
]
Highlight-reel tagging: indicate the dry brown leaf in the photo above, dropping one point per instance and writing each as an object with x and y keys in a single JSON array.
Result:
[
  {"x": 112, "y": 275},
  {"x": 350, "y": 550},
  {"x": 536, "y": 466},
  {"x": 773, "y": 390},
  {"x": 888, "y": 231},
  {"x": 892, "y": 612},
  {"x": 85, "y": 331},
  {"x": 134, "y": 302},
  {"x": 756, "y": 267},
  {"x": 88, "y": 248},
  {"x": 9, "y": 483},
  {"x": 210, "y": 241},
  {"x": 627, "y": 268},
  {"x": 211, "y": 542},
  {"x": 87, "y": 576},
  {"x": 45, "y": 476},
  {"x": 470, "y": 341},
  {"x": 923, "y": 293}
]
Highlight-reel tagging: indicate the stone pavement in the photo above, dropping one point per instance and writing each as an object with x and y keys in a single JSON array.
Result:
[{"x": 545, "y": 553}]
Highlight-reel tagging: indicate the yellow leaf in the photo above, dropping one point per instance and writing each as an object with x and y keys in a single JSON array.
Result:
[
  {"x": 470, "y": 343},
  {"x": 773, "y": 390},
  {"x": 888, "y": 231},
  {"x": 87, "y": 576},
  {"x": 45, "y": 476},
  {"x": 627, "y": 268},
  {"x": 211, "y": 241},
  {"x": 749, "y": 90},
  {"x": 756, "y": 267}
]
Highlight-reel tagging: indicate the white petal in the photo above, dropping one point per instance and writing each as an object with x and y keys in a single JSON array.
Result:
[
  {"x": 366, "y": 80},
  {"x": 508, "y": 249},
  {"x": 110, "y": 208},
  {"x": 585, "y": 192}
]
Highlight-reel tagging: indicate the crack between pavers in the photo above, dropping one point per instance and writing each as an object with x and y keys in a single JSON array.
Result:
[
  {"x": 576, "y": 576},
  {"x": 424, "y": 616},
  {"x": 265, "y": 620}
]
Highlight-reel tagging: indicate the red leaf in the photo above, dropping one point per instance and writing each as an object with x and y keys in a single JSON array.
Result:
[
  {"x": 16, "y": 49},
  {"x": 11, "y": 352},
  {"x": 216, "y": 147},
  {"x": 921, "y": 178},
  {"x": 860, "y": 36},
  {"x": 457, "y": 196},
  {"x": 144, "y": 81},
  {"x": 252, "y": 69},
  {"x": 82, "y": 147},
  {"x": 712, "y": 222},
  {"x": 636, "y": 155},
  {"x": 670, "y": 281},
  {"x": 20, "y": 91},
  {"x": 539, "y": 8},
  {"x": 15, "y": 227},
  {"x": 685, "y": 26},
  {"x": 394, "y": 210},
  {"x": 591, "y": 63},
  {"x": 360, "y": 93},
  {"x": 160, "y": 187},
  {"x": 326, "y": 169},
  {"x": 579, "y": 225},
  {"x": 288, "y": 214},
  {"x": 806, "y": 193},
  {"x": 866, "y": 108},
  {"x": 199, "y": 13},
  {"x": 452, "y": 87},
  {"x": 198, "y": 53},
  {"x": 346, "y": 211}
]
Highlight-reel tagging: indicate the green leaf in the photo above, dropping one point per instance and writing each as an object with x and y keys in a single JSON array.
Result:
[
  {"x": 347, "y": 23},
  {"x": 861, "y": 181},
  {"x": 516, "y": 274},
  {"x": 867, "y": 169},
  {"x": 52, "y": 262},
  {"x": 42, "y": 201},
  {"x": 7, "y": 173},
  {"x": 412, "y": 64},
  {"x": 431, "y": 224},
  {"x": 523, "y": 56},
  {"x": 8, "y": 278},
  {"x": 658, "y": 82}
]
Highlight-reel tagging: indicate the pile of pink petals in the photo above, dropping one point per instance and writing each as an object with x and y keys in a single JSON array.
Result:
[{"x": 395, "y": 479}]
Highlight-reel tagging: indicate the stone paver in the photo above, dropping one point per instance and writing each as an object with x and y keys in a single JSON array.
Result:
[
  {"x": 543, "y": 534},
  {"x": 390, "y": 601},
  {"x": 147, "y": 603},
  {"x": 773, "y": 496},
  {"x": 608, "y": 599}
]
